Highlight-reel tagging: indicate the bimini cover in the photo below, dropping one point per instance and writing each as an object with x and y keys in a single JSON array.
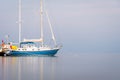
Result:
[{"x": 27, "y": 43}]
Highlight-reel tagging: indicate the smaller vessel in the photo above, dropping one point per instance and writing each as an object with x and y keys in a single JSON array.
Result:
[{"x": 5, "y": 48}]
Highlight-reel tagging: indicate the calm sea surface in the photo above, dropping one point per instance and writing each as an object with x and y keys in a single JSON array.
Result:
[{"x": 65, "y": 66}]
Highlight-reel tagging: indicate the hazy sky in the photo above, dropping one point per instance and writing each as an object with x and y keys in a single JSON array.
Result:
[{"x": 80, "y": 25}]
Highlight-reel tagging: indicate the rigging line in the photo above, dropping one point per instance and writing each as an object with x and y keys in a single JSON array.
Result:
[{"x": 50, "y": 25}]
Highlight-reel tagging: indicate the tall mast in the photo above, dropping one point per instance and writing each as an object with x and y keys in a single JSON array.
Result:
[
  {"x": 20, "y": 20},
  {"x": 41, "y": 20}
]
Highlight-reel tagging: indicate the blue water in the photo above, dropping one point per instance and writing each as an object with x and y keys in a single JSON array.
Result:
[{"x": 64, "y": 66}]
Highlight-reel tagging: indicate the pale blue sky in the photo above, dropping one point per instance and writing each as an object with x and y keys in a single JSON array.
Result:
[{"x": 80, "y": 25}]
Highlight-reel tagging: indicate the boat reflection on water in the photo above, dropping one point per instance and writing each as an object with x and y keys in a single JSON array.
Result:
[{"x": 27, "y": 68}]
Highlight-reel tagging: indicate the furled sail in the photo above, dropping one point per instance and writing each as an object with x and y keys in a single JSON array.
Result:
[{"x": 33, "y": 40}]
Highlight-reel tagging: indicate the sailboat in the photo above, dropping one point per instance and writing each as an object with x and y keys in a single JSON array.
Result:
[{"x": 27, "y": 46}]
